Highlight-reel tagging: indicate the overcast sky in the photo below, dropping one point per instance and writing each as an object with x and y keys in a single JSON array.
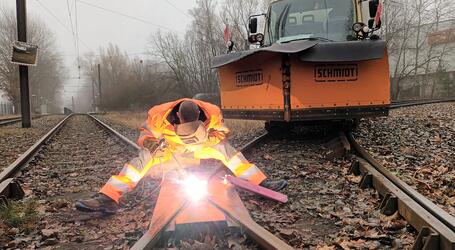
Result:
[{"x": 98, "y": 27}]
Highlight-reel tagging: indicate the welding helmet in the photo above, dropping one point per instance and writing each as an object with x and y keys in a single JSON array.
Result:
[{"x": 192, "y": 132}]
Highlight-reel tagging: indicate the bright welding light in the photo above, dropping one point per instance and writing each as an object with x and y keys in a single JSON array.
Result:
[{"x": 195, "y": 188}]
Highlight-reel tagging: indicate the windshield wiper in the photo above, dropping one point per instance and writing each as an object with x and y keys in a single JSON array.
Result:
[
  {"x": 316, "y": 38},
  {"x": 313, "y": 38}
]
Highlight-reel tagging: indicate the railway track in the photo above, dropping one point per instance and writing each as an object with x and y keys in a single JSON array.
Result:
[
  {"x": 10, "y": 120},
  {"x": 409, "y": 103},
  {"x": 13, "y": 120},
  {"x": 58, "y": 161},
  {"x": 50, "y": 172},
  {"x": 436, "y": 227}
]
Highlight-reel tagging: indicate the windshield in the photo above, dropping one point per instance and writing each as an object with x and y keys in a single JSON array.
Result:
[{"x": 290, "y": 20}]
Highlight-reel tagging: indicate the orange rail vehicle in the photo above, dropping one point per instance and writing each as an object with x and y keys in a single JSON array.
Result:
[{"x": 316, "y": 61}]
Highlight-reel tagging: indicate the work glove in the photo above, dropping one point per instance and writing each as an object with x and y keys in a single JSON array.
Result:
[
  {"x": 160, "y": 149},
  {"x": 150, "y": 144}
]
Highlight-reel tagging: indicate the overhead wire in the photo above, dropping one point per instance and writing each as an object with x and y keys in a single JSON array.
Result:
[
  {"x": 177, "y": 8},
  {"x": 71, "y": 24},
  {"x": 60, "y": 22},
  {"x": 124, "y": 15},
  {"x": 77, "y": 38}
]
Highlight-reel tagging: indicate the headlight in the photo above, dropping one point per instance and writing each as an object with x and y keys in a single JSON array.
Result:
[
  {"x": 260, "y": 38},
  {"x": 357, "y": 27}
]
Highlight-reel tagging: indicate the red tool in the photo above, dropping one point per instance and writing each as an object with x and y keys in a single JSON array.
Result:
[{"x": 262, "y": 191}]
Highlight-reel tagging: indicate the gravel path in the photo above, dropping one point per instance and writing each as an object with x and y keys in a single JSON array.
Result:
[
  {"x": 14, "y": 140},
  {"x": 74, "y": 165},
  {"x": 326, "y": 206},
  {"x": 418, "y": 145}
]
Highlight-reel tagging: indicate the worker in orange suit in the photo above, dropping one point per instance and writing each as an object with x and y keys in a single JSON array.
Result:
[{"x": 190, "y": 130}]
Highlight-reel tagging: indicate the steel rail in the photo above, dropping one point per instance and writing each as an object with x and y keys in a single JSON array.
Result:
[
  {"x": 420, "y": 212},
  {"x": 14, "y": 167},
  {"x": 10, "y": 121},
  {"x": 9, "y": 118},
  {"x": 264, "y": 238},
  {"x": 410, "y": 103},
  {"x": 122, "y": 138},
  {"x": 8, "y": 186},
  {"x": 254, "y": 142}
]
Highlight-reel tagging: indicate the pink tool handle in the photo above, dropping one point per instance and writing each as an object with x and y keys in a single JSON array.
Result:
[{"x": 262, "y": 191}]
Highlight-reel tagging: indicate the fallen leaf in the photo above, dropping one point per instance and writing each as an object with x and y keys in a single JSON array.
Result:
[{"x": 268, "y": 157}]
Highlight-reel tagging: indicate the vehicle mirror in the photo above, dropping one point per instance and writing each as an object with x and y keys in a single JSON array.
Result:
[
  {"x": 253, "y": 25},
  {"x": 373, "y": 6}
]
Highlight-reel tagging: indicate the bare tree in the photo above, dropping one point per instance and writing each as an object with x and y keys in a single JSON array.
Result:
[
  {"x": 126, "y": 83},
  {"x": 235, "y": 14},
  {"x": 47, "y": 77},
  {"x": 190, "y": 58}
]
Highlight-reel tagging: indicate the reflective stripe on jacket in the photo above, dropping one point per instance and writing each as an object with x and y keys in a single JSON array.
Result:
[{"x": 136, "y": 169}]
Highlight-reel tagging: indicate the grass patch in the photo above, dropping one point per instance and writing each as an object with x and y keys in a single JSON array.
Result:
[
  {"x": 18, "y": 214},
  {"x": 132, "y": 120},
  {"x": 239, "y": 127}
]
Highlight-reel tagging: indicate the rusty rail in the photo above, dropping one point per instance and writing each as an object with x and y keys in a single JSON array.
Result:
[{"x": 436, "y": 227}]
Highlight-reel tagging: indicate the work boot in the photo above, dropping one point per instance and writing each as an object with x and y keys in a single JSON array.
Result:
[
  {"x": 274, "y": 185},
  {"x": 98, "y": 203}
]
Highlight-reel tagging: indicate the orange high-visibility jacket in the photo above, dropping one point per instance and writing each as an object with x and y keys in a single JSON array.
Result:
[
  {"x": 159, "y": 125},
  {"x": 161, "y": 120}
]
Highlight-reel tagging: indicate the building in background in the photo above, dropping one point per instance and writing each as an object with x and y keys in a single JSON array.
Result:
[
  {"x": 422, "y": 61},
  {"x": 6, "y": 107}
]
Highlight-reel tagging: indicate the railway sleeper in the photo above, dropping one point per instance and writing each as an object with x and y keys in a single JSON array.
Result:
[
  {"x": 338, "y": 147},
  {"x": 433, "y": 234},
  {"x": 389, "y": 204}
]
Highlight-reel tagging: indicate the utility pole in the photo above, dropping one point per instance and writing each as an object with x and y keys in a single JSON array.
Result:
[
  {"x": 99, "y": 86},
  {"x": 72, "y": 104},
  {"x": 93, "y": 97},
  {"x": 21, "y": 13}
]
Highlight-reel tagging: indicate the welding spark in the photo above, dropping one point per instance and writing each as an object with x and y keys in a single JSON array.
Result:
[{"x": 195, "y": 188}]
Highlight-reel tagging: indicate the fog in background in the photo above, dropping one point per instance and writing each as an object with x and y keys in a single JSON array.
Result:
[{"x": 97, "y": 28}]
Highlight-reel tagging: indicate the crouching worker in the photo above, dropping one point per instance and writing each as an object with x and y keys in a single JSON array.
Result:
[{"x": 190, "y": 130}]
